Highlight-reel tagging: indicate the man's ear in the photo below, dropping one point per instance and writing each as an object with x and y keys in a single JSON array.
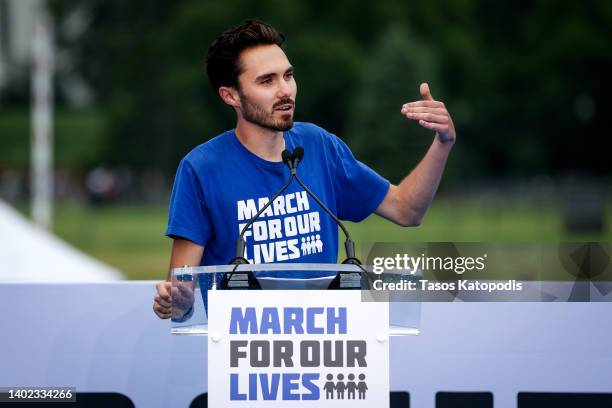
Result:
[{"x": 230, "y": 96}]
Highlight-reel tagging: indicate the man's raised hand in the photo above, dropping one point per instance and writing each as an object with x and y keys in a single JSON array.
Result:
[{"x": 431, "y": 114}]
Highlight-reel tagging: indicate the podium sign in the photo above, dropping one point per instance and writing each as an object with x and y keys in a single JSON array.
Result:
[{"x": 316, "y": 348}]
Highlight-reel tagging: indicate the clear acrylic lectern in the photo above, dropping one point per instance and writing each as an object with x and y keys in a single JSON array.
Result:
[{"x": 190, "y": 286}]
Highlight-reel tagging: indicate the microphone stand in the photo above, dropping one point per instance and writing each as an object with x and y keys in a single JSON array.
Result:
[
  {"x": 247, "y": 279},
  {"x": 343, "y": 280}
]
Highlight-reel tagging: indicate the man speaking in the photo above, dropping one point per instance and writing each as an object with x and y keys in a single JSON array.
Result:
[{"x": 221, "y": 184}]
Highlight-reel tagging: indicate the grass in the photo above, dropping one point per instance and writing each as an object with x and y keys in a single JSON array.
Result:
[{"x": 131, "y": 238}]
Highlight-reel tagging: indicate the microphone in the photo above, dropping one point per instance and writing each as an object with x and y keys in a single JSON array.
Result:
[
  {"x": 298, "y": 155},
  {"x": 349, "y": 245},
  {"x": 287, "y": 158}
]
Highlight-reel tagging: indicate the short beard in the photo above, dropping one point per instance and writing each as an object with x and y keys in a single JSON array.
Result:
[{"x": 254, "y": 113}]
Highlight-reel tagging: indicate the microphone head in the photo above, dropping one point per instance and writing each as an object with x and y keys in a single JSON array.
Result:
[
  {"x": 298, "y": 153},
  {"x": 286, "y": 155}
]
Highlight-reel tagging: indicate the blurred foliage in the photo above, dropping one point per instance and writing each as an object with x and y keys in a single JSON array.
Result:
[
  {"x": 376, "y": 126},
  {"x": 78, "y": 139},
  {"x": 526, "y": 82}
]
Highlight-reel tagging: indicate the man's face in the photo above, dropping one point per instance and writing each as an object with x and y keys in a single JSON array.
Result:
[{"x": 267, "y": 88}]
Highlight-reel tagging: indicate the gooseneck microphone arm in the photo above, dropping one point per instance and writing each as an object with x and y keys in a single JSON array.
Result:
[
  {"x": 349, "y": 245},
  {"x": 241, "y": 243}
]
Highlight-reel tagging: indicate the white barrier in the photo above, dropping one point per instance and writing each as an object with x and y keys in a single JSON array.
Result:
[{"x": 105, "y": 337}]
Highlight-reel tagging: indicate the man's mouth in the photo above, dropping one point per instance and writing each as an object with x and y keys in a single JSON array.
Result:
[{"x": 286, "y": 107}]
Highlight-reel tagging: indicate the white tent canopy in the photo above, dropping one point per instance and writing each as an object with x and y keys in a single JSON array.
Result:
[{"x": 30, "y": 254}]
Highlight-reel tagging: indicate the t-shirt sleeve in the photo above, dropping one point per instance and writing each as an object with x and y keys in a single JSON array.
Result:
[
  {"x": 187, "y": 215},
  {"x": 359, "y": 189}
]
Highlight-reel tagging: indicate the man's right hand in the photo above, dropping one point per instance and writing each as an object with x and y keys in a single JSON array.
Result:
[
  {"x": 162, "y": 306},
  {"x": 184, "y": 252}
]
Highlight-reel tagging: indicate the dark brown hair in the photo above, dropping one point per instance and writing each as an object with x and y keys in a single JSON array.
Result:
[{"x": 223, "y": 57}]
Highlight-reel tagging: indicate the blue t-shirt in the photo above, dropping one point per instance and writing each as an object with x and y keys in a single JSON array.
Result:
[{"x": 220, "y": 185}]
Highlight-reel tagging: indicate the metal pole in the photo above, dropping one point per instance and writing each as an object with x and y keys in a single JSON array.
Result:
[{"x": 42, "y": 122}]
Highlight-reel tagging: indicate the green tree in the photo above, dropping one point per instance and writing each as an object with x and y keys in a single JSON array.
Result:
[{"x": 379, "y": 134}]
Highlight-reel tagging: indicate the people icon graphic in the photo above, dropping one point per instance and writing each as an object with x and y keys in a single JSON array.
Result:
[
  {"x": 311, "y": 245},
  {"x": 318, "y": 244},
  {"x": 340, "y": 386},
  {"x": 362, "y": 386},
  {"x": 351, "y": 386},
  {"x": 329, "y": 385}
]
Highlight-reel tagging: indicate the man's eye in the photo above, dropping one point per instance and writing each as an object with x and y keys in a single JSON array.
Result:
[
  {"x": 289, "y": 75},
  {"x": 267, "y": 81}
]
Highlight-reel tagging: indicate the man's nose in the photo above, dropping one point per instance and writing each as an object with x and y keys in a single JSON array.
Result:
[{"x": 284, "y": 89}]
